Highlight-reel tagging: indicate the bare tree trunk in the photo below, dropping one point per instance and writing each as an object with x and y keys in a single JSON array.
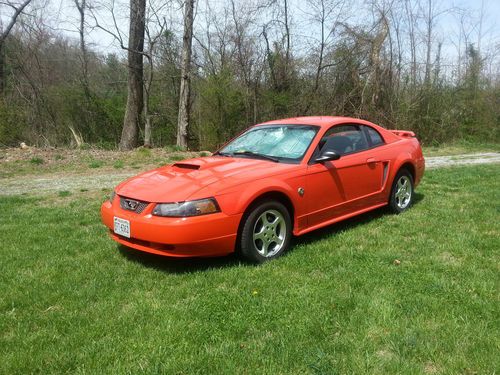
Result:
[
  {"x": 133, "y": 111},
  {"x": 437, "y": 64},
  {"x": 319, "y": 67},
  {"x": 270, "y": 60},
  {"x": 480, "y": 31},
  {"x": 147, "y": 94},
  {"x": 184, "y": 94},
  {"x": 81, "y": 7},
  {"x": 4, "y": 33},
  {"x": 287, "y": 31},
  {"x": 148, "y": 82},
  {"x": 411, "y": 23},
  {"x": 428, "y": 64},
  {"x": 2, "y": 68}
]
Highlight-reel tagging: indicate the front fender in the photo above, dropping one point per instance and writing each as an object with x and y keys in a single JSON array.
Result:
[{"x": 238, "y": 200}]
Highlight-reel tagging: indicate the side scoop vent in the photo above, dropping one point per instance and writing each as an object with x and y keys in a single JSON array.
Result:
[{"x": 186, "y": 166}]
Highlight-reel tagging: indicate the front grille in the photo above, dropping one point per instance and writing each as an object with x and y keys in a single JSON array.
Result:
[{"x": 132, "y": 205}]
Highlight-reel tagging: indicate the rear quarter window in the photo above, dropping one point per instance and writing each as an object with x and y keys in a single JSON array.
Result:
[{"x": 374, "y": 136}]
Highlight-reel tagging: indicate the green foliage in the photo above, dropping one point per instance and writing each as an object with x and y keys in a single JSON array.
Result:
[
  {"x": 219, "y": 108},
  {"x": 64, "y": 193},
  {"x": 143, "y": 152},
  {"x": 175, "y": 157},
  {"x": 173, "y": 148},
  {"x": 36, "y": 160},
  {"x": 85, "y": 146},
  {"x": 119, "y": 164},
  {"x": 12, "y": 124},
  {"x": 96, "y": 164}
]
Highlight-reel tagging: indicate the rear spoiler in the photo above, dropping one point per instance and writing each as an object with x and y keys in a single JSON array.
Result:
[{"x": 403, "y": 133}]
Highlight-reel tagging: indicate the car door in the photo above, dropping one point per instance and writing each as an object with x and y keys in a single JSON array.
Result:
[{"x": 349, "y": 184}]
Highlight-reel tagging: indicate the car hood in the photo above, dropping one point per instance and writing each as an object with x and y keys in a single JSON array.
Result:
[{"x": 177, "y": 182}]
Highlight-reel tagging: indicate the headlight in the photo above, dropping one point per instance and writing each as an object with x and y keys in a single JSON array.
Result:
[
  {"x": 188, "y": 208},
  {"x": 112, "y": 196}
]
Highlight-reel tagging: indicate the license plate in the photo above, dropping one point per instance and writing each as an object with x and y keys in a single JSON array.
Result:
[{"x": 122, "y": 227}]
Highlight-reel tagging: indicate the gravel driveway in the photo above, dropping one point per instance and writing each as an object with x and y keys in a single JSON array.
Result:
[{"x": 71, "y": 182}]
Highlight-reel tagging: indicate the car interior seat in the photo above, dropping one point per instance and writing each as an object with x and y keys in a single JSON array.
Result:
[{"x": 339, "y": 143}]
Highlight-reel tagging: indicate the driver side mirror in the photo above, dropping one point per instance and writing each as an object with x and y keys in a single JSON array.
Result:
[{"x": 327, "y": 155}]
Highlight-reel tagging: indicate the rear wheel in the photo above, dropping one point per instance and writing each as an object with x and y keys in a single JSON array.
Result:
[
  {"x": 402, "y": 192},
  {"x": 266, "y": 232}
]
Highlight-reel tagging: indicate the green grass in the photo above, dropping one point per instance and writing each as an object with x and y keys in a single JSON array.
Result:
[
  {"x": 72, "y": 302},
  {"x": 96, "y": 164},
  {"x": 119, "y": 164},
  {"x": 36, "y": 161},
  {"x": 175, "y": 157}
]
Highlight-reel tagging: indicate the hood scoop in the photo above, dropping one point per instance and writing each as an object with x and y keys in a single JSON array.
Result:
[
  {"x": 201, "y": 163},
  {"x": 186, "y": 166}
]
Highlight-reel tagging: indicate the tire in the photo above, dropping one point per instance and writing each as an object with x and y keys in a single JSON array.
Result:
[
  {"x": 266, "y": 232},
  {"x": 402, "y": 192}
]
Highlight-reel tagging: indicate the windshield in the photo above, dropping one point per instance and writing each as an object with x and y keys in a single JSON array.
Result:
[{"x": 283, "y": 142}]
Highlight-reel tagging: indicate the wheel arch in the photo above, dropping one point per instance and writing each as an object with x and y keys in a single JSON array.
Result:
[
  {"x": 403, "y": 161},
  {"x": 403, "y": 165},
  {"x": 408, "y": 165},
  {"x": 275, "y": 195}
]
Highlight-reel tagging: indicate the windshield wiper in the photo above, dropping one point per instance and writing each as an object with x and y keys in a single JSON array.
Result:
[
  {"x": 257, "y": 155},
  {"x": 222, "y": 153}
]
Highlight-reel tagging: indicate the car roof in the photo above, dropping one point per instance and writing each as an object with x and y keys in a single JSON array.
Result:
[{"x": 322, "y": 121}]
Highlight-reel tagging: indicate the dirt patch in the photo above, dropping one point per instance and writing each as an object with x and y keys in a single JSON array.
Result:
[
  {"x": 464, "y": 159},
  {"x": 430, "y": 368},
  {"x": 72, "y": 174},
  {"x": 29, "y": 161},
  {"x": 61, "y": 182}
]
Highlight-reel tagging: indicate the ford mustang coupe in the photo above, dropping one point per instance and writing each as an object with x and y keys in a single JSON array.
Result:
[{"x": 275, "y": 179}]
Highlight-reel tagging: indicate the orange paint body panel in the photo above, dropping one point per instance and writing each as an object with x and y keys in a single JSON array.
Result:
[{"x": 332, "y": 191}]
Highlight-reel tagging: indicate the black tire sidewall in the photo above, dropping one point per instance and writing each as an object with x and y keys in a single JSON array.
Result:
[
  {"x": 247, "y": 248},
  {"x": 392, "y": 202}
]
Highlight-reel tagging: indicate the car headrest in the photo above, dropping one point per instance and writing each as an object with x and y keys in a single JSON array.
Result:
[{"x": 338, "y": 143}]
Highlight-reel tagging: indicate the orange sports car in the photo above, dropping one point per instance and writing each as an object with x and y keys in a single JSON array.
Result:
[{"x": 275, "y": 180}]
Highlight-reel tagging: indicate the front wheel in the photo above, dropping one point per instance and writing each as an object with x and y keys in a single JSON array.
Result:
[
  {"x": 402, "y": 192},
  {"x": 266, "y": 232}
]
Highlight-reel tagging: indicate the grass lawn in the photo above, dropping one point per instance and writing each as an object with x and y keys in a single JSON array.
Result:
[{"x": 72, "y": 302}]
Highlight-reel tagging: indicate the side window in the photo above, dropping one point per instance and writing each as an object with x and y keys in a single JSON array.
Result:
[
  {"x": 344, "y": 139},
  {"x": 374, "y": 136}
]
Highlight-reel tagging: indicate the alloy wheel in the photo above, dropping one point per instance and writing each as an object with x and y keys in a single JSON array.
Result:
[{"x": 269, "y": 233}]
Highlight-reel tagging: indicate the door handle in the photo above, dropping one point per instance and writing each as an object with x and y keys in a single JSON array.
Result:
[{"x": 371, "y": 160}]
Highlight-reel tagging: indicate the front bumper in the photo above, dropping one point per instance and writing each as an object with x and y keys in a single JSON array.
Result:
[{"x": 198, "y": 236}]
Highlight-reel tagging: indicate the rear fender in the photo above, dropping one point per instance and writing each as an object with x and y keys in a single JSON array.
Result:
[{"x": 402, "y": 159}]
